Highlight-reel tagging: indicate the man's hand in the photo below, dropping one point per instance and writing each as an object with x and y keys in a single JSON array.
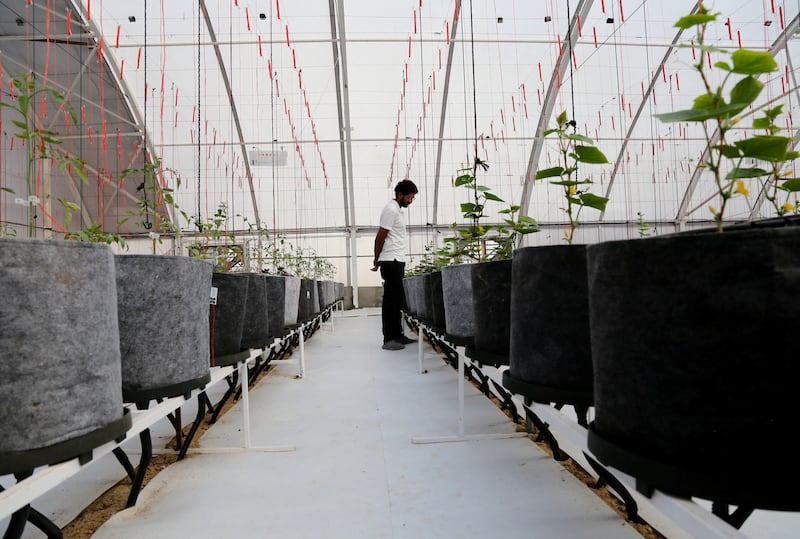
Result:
[{"x": 374, "y": 266}]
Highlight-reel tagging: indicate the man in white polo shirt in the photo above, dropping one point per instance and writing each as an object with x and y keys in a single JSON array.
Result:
[{"x": 390, "y": 255}]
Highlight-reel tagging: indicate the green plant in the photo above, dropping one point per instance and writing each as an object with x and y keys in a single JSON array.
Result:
[
  {"x": 721, "y": 108},
  {"x": 480, "y": 241},
  {"x": 217, "y": 244},
  {"x": 433, "y": 260},
  {"x": 156, "y": 193},
  {"x": 93, "y": 233},
  {"x": 39, "y": 143},
  {"x": 574, "y": 148},
  {"x": 641, "y": 225}
]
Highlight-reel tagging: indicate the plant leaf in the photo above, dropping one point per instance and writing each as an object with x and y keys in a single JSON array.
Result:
[
  {"x": 742, "y": 172},
  {"x": 549, "y": 172},
  {"x": 765, "y": 147},
  {"x": 749, "y": 62},
  {"x": 792, "y": 185},
  {"x": 695, "y": 19},
  {"x": 593, "y": 201},
  {"x": 591, "y": 155}
]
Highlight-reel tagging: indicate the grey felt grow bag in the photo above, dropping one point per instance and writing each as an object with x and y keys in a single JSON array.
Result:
[
  {"x": 457, "y": 295},
  {"x": 60, "y": 374},
  {"x": 163, "y": 324},
  {"x": 292, "y": 292},
  {"x": 550, "y": 358},
  {"x": 694, "y": 362},
  {"x": 255, "y": 329},
  {"x": 227, "y": 318},
  {"x": 276, "y": 305}
]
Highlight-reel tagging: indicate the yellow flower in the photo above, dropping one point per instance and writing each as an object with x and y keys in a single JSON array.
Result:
[
  {"x": 572, "y": 190},
  {"x": 788, "y": 206},
  {"x": 713, "y": 209},
  {"x": 741, "y": 188}
]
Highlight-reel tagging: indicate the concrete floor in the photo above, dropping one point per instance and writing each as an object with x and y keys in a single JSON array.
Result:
[{"x": 333, "y": 455}]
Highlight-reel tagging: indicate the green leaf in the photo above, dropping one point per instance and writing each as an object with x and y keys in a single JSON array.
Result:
[
  {"x": 578, "y": 137},
  {"x": 765, "y": 147},
  {"x": 551, "y": 131},
  {"x": 725, "y": 66},
  {"x": 549, "y": 172},
  {"x": 731, "y": 152},
  {"x": 749, "y": 62},
  {"x": 561, "y": 119},
  {"x": 492, "y": 196},
  {"x": 746, "y": 91},
  {"x": 8, "y": 190},
  {"x": 695, "y": 19},
  {"x": 591, "y": 155},
  {"x": 528, "y": 220},
  {"x": 469, "y": 207},
  {"x": 464, "y": 180},
  {"x": 792, "y": 185},
  {"x": 593, "y": 201},
  {"x": 761, "y": 123},
  {"x": 743, "y": 172}
]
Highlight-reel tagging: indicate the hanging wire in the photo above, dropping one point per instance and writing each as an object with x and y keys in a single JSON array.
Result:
[
  {"x": 199, "y": 154},
  {"x": 147, "y": 224}
]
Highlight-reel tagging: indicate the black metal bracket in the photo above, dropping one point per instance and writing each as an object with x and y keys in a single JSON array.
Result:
[
  {"x": 735, "y": 518},
  {"x": 508, "y": 402},
  {"x": 607, "y": 478},
  {"x": 544, "y": 432}
]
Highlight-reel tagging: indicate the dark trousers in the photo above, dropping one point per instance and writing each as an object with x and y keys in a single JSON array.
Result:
[{"x": 393, "y": 299}]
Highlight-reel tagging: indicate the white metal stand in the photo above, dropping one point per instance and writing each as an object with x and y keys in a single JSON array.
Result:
[{"x": 461, "y": 436}]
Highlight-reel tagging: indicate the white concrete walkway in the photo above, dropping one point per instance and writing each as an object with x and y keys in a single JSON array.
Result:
[{"x": 355, "y": 472}]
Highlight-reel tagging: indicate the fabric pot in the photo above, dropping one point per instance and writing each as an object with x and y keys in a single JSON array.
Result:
[
  {"x": 255, "y": 327},
  {"x": 409, "y": 285},
  {"x": 321, "y": 303},
  {"x": 226, "y": 318},
  {"x": 292, "y": 296},
  {"x": 306, "y": 306},
  {"x": 424, "y": 305},
  {"x": 163, "y": 323},
  {"x": 491, "y": 304},
  {"x": 339, "y": 291},
  {"x": 550, "y": 353},
  {"x": 276, "y": 305},
  {"x": 60, "y": 370},
  {"x": 693, "y": 362},
  {"x": 316, "y": 307},
  {"x": 457, "y": 297},
  {"x": 433, "y": 284}
]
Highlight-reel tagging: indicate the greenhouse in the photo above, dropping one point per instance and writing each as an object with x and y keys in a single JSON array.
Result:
[{"x": 419, "y": 268}]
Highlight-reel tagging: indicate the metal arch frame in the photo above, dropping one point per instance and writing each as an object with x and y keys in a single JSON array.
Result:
[
  {"x": 442, "y": 116},
  {"x": 346, "y": 187},
  {"x": 550, "y": 99},
  {"x": 645, "y": 100},
  {"x": 791, "y": 29},
  {"x": 343, "y": 100}
]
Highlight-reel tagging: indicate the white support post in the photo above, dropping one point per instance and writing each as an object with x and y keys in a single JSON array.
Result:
[
  {"x": 245, "y": 403},
  {"x": 460, "y": 436},
  {"x": 302, "y": 347}
]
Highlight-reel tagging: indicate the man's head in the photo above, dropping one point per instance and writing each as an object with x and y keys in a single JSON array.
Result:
[{"x": 404, "y": 192}]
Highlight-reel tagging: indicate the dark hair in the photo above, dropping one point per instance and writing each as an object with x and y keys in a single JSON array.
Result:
[{"x": 405, "y": 187}]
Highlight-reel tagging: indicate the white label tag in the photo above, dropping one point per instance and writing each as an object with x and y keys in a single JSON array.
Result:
[{"x": 213, "y": 298}]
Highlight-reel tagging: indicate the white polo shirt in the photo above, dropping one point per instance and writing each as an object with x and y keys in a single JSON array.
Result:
[{"x": 393, "y": 219}]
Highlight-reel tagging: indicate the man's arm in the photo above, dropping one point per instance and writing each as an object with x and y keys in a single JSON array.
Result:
[{"x": 380, "y": 239}]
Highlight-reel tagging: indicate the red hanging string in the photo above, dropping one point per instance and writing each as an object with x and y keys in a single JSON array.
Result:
[
  {"x": 278, "y": 9},
  {"x": 594, "y": 31},
  {"x": 247, "y": 17}
]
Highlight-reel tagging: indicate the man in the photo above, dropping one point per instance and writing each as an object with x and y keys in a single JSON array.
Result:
[{"x": 390, "y": 254}]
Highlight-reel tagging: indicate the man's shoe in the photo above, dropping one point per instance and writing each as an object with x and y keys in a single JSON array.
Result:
[
  {"x": 393, "y": 345},
  {"x": 406, "y": 340}
]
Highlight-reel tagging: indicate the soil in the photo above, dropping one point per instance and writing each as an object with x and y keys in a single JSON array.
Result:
[{"x": 115, "y": 498}]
